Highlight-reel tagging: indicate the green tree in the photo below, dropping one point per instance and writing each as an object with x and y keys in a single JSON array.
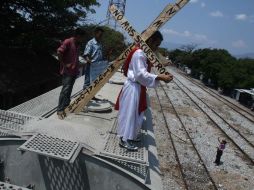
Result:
[
  {"x": 237, "y": 75},
  {"x": 112, "y": 41},
  {"x": 163, "y": 51},
  {"x": 30, "y": 31},
  {"x": 176, "y": 55},
  {"x": 218, "y": 65},
  {"x": 37, "y": 23}
]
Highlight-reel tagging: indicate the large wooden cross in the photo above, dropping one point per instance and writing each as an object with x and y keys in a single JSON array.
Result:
[
  {"x": 138, "y": 39},
  {"x": 86, "y": 95}
]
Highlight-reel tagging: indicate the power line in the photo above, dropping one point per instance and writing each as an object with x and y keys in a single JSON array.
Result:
[{"x": 120, "y": 4}]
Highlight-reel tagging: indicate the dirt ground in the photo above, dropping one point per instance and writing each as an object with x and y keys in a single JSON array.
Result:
[{"x": 236, "y": 171}]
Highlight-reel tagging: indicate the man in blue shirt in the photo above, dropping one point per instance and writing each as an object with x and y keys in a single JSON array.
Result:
[{"x": 93, "y": 54}]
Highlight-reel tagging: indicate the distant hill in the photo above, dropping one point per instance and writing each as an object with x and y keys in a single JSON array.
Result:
[{"x": 246, "y": 55}]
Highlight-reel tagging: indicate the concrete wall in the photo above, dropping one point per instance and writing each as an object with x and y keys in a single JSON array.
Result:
[{"x": 86, "y": 173}]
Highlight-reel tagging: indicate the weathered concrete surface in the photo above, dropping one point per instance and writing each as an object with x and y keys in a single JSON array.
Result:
[
  {"x": 91, "y": 129},
  {"x": 86, "y": 173}
]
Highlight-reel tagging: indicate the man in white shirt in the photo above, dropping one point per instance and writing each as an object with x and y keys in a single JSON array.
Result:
[{"x": 131, "y": 101}]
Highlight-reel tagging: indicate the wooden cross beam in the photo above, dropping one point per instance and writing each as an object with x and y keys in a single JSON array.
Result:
[
  {"x": 78, "y": 103},
  {"x": 138, "y": 39}
]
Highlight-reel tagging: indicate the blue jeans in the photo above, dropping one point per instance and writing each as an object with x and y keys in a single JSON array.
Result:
[
  {"x": 65, "y": 94},
  {"x": 87, "y": 77}
]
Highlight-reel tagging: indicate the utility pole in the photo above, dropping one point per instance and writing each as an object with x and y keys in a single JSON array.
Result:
[{"x": 120, "y": 4}]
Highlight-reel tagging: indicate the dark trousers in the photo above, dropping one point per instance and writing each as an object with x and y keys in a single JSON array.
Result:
[
  {"x": 87, "y": 76},
  {"x": 218, "y": 156},
  {"x": 65, "y": 94}
]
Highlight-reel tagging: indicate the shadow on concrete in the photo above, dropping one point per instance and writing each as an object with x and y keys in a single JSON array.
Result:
[{"x": 60, "y": 175}]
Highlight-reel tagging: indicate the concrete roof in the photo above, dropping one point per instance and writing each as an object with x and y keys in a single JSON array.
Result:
[{"x": 93, "y": 131}]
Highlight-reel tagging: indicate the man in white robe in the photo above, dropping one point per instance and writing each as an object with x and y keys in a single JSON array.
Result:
[{"x": 131, "y": 102}]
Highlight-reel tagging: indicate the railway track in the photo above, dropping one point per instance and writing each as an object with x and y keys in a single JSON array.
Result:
[
  {"x": 195, "y": 173},
  {"x": 239, "y": 140},
  {"x": 240, "y": 121},
  {"x": 243, "y": 112}
]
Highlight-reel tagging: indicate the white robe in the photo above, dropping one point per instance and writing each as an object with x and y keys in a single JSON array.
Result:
[{"x": 129, "y": 119}]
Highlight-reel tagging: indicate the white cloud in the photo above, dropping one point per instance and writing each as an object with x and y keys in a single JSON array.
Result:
[
  {"x": 252, "y": 18},
  {"x": 186, "y": 33},
  {"x": 203, "y": 39},
  {"x": 200, "y": 37},
  {"x": 193, "y": 1},
  {"x": 239, "y": 44},
  {"x": 195, "y": 37},
  {"x": 216, "y": 14},
  {"x": 241, "y": 17},
  {"x": 202, "y": 4}
]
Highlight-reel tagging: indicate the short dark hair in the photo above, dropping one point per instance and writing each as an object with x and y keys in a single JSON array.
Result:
[
  {"x": 157, "y": 35},
  {"x": 80, "y": 32},
  {"x": 98, "y": 29}
]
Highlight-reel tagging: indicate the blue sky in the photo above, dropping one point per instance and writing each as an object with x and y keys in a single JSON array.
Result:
[{"x": 227, "y": 24}]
